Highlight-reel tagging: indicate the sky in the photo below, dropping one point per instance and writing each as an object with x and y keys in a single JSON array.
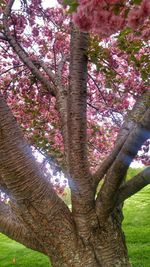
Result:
[
  {"x": 46, "y": 3},
  {"x": 49, "y": 3}
]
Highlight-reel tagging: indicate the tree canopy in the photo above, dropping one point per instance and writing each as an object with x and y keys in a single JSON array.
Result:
[
  {"x": 76, "y": 80},
  {"x": 118, "y": 70}
]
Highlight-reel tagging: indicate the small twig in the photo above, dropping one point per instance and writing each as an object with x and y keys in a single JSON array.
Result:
[
  {"x": 22, "y": 53},
  {"x": 103, "y": 98},
  {"x": 14, "y": 67}
]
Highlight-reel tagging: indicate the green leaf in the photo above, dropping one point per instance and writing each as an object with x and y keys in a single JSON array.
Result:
[
  {"x": 144, "y": 75},
  {"x": 73, "y": 4},
  {"x": 137, "y": 2},
  {"x": 124, "y": 33}
]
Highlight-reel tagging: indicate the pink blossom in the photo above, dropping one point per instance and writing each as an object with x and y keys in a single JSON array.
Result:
[
  {"x": 138, "y": 14},
  {"x": 146, "y": 33},
  {"x": 36, "y": 2},
  {"x": 100, "y": 17},
  {"x": 135, "y": 17},
  {"x": 145, "y": 8},
  {"x": 35, "y": 32},
  {"x": 113, "y": 1},
  {"x": 82, "y": 20}
]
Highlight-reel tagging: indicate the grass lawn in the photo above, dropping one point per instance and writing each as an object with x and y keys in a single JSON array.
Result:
[
  {"x": 13, "y": 254},
  {"x": 136, "y": 226}
]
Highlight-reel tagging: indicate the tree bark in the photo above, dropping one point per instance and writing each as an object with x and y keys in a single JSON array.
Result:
[
  {"x": 12, "y": 225},
  {"x": 132, "y": 119},
  {"x": 105, "y": 248},
  {"x": 134, "y": 185}
]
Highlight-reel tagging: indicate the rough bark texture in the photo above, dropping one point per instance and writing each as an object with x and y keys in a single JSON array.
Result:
[{"x": 91, "y": 235}]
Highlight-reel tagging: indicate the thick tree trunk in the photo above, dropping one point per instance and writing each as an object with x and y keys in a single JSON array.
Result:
[{"x": 105, "y": 247}]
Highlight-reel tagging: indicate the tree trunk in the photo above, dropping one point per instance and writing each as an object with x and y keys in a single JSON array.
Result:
[
  {"x": 87, "y": 257},
  {"x": 105, "y": 247}
]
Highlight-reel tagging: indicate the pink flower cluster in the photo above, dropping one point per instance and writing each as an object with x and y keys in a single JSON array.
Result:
[
  {"x": 98, "y": 16},
  {"x": 107, "y": 17},
  {"x": 138, "y": 14}
]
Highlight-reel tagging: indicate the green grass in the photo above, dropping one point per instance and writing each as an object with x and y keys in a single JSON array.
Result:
[
  {"x": 136, "y": 226},
  {"x": 12, "y": 254}
]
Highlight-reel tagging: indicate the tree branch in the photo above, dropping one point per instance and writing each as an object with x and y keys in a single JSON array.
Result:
[
  {"x": 56, "y": 89},
  {"x": 61, "y": 65},
  {"x": 48, "y": 71},
  {"x": 106, "y": 164},
  {"x": 40, "y": 207},
  {"x": 104, "y": 100},
  {"x": 77, "y": 160},
  {"x": 80, "y": 180},
  {"x": 3, "y": 37},
  {"x": 134, "y": 185},
  {"x": 21, "y": 52},
  {"x": 108, "y": 194},
  {"x": 12, "y": 226},
  {"x": 131, "y": 121},
  {"x": 12, "y": 68},
  {"x": 19, "y": 169},
  {"x": 15, "y": 154}
]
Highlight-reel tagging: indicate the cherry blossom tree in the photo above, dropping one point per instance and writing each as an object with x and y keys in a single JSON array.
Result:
[{"x": 74, "y": 84}]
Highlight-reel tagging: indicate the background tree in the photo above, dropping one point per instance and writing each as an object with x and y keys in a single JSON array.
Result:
[{"x": 71, "y": 98}]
